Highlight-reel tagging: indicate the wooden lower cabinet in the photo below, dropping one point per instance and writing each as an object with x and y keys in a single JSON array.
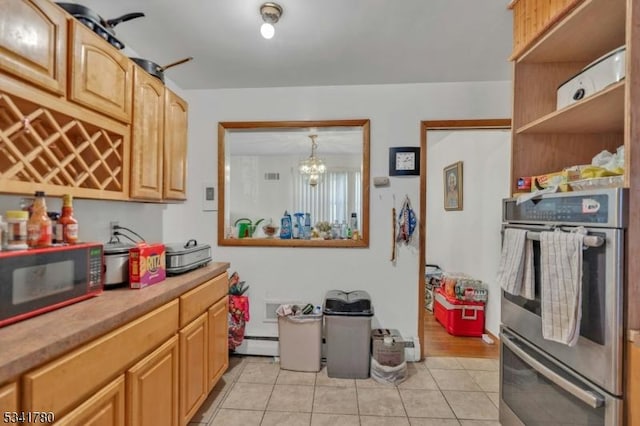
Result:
[
  {"x": 8, "y": 398},
  {"x": 152, "y": 388},
  {"x": 105, "y": 408},
  {"x": 218, "y": 340},
  {"x": 152, "y": 371},
  {"x": 194, "y": 386}
]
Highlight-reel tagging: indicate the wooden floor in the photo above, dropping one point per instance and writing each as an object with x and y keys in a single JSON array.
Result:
[{"x": 437, "y": 342}]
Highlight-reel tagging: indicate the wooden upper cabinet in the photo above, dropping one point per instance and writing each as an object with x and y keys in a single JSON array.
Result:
[
  {"x": 33, "y": 43},
  {"x": 101, "y": 77},
  {"x": 147, "y": 136},
  {"x": 175, "y": 147}
]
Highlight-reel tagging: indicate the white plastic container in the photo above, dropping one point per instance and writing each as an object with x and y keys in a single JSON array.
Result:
[
  {"x": 300, "y": 342},
  {"x": 596, "y": 76}
]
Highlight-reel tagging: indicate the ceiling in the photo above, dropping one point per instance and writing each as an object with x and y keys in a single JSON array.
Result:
[{"x": 318, "y": 43}]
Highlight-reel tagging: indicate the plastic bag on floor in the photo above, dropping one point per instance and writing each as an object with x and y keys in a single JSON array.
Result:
[{"x": 389, "y": 375}]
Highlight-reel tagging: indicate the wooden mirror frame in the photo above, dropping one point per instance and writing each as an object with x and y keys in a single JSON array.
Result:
[{"x": 363, "y": 240}]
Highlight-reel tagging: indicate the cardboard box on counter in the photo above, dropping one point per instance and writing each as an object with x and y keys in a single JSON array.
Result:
[
  {"x": 561, "y": 179},
  {"x": 147, "y": 265}
]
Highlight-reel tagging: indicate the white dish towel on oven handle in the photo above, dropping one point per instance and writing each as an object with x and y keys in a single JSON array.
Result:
[
  {"x": 515, "y": 271},
  {"x": 561, "y": 284}
]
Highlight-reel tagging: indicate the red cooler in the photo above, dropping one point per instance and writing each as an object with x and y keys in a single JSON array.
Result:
[{"x": 459, "y": 318}]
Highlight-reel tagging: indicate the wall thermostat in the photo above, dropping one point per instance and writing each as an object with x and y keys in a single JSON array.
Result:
[{"x": 381, "y": 181}]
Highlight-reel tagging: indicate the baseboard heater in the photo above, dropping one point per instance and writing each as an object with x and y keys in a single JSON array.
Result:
[{"x": 268, "y": 346}]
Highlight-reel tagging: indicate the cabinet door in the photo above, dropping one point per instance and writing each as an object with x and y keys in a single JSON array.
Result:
[
  {"x": 101, "y": 75},
  {"x": 152, "y": 388},
  {"x": 175, "y": 147},
  {"x": 105, "y": 408},
  {"x": 33, "y": 43},
  {"x": 193, "y": 367},
  {"x": 147, "y": 136},
  {"x": 218, "y": 340},
  {"x": 9, "y": 398}
]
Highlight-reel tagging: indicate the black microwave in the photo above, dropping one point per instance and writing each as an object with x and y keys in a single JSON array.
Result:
[{"x": 36, "y": 281}]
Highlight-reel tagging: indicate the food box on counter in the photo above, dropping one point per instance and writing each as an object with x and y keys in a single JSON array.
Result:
[
  {"x": 147, "y": 265},
  {"x": 561, "y": 179}
]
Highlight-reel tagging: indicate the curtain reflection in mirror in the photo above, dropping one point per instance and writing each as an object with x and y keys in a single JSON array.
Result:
[{"x": 336, "y": 197}]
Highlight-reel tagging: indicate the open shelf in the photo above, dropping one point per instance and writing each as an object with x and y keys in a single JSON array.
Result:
[
  {"x": 591, "y": 30},
  {"x": 599, "y": 113}
]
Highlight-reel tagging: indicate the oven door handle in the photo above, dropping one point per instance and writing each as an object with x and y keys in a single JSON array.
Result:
[{"x": 590, "y": 398}]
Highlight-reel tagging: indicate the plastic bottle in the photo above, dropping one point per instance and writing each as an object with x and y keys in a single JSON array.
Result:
[
  {"x": 68, "y": 222},
  {"x": 3, "y": 234},
  {"x": 307, "y": 226},
  {"x": 353, "y": 223},
  {"x": 343, "y": 229},
  {"x": 285, "y": 226},
  {"x": 39, "y": 224},
  {"x": 335, "y": 230},
  {"x": 56, "y": 228}
]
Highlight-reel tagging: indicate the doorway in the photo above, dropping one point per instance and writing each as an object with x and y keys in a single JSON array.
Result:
[{"x": 458, "y": 146}]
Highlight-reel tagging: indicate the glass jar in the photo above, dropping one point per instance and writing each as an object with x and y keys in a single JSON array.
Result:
[{"x": 17, "y": 229}]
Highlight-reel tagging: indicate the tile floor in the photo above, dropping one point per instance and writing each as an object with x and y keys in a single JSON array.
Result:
[{"x": 439, "y": 391}]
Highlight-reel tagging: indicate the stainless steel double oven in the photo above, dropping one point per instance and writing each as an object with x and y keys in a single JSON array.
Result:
[{"x": 547, "y": 383}]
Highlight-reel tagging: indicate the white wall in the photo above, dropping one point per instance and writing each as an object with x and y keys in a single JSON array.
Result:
[
  {"x": 306, "y": 274},
  {"x": 468, "y": 241}
]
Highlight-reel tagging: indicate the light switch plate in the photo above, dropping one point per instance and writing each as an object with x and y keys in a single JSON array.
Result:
[{"x": 209, "y": 197}]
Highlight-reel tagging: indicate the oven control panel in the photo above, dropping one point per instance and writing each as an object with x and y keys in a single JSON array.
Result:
[{"x": 604, "y": 208}]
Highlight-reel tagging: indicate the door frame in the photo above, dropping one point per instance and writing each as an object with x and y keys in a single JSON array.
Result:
[{"x": 425, "y": 126}]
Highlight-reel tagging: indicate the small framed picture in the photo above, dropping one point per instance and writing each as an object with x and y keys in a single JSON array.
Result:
[
  {"x": 404, "y": 161},
  {"x": 452, "y": 176}
]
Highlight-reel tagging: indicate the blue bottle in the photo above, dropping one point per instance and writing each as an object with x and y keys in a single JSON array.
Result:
[
  {"x": 285, "y": 226},
  {"x": 298, "y": 226}
]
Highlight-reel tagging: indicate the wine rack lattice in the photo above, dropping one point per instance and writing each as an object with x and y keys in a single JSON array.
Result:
[{"x": 40, "y": 145}]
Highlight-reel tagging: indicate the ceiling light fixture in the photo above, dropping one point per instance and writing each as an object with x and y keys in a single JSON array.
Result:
[
  {"x": 312, "y": 167},
  {"x": 271, "y": 13}
]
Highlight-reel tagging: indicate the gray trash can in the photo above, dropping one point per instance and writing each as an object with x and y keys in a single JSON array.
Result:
[{"x": 348, "y": 333}]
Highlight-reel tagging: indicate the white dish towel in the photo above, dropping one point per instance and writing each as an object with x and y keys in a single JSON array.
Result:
[
  {"x": 561, "y": 285},
  {"x": 515, "y": 271}
]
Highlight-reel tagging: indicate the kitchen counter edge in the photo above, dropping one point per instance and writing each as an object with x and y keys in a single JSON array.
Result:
[{"x": 36, "y": 341}]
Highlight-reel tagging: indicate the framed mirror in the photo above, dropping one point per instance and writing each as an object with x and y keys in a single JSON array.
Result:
[{"x": 293, "y": 183}]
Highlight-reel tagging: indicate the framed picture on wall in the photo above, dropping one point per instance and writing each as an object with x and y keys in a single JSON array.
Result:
[{"x": 452, "y": 176}]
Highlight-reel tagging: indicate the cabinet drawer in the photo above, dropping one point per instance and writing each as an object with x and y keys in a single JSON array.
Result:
[
  {"x": 106, "y": 408},
  {"x": 63, "y": 383},
  {"x": 198, "y": 300}
]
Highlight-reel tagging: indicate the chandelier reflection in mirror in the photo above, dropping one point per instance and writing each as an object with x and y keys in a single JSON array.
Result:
[{"x": 312, "y": 167}]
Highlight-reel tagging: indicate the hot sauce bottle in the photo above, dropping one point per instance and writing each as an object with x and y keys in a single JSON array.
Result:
[
  {"x": 39, "y": 224},
  {"x": 68, "y": 222}
]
